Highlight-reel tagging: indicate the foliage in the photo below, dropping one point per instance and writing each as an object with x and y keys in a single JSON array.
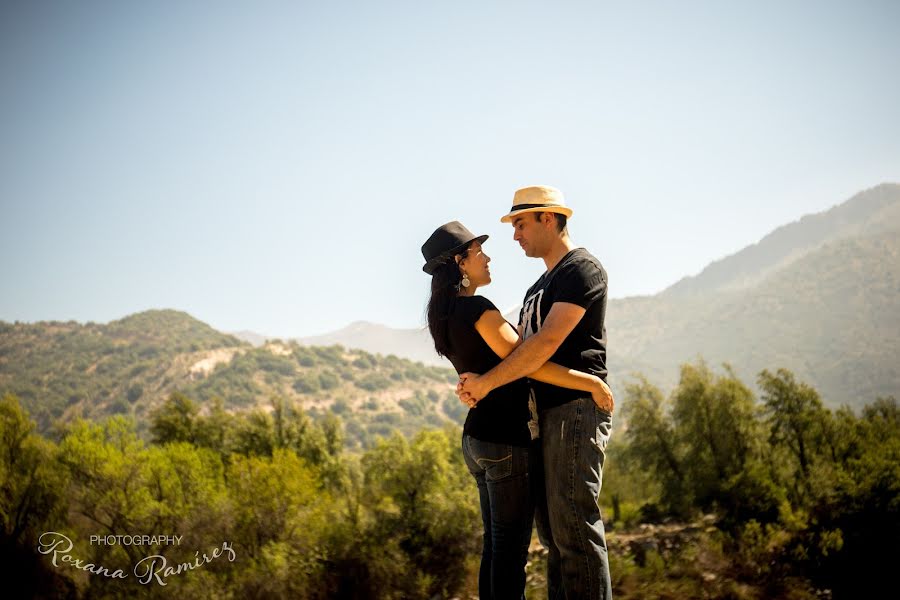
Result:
[
  {"x": 801, "y": 497},
  {"x": 799, "y": 490},
  {"x": 134, "y": 366}
]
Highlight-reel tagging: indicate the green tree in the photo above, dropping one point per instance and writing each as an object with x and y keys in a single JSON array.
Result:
[
  {"x": 32, "y": 494},
  {"x": 797, "y": 421},
  {"x": 280, "y": 518},
  {"x": 216, "y": 430},
  {"x": 854, "y": 515},
  {"x": 175, "y": 420},
  {"x": 715, "y": 421},
  {"x": 425, "y": 503},
  {"x": 652, "y": 444},
  {"x": 255, "y": 434},
  {"x": 120, "y": 486}
]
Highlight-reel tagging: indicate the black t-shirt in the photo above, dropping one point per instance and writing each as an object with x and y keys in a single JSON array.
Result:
[
  {"x": 501, "y": 416},
  {"x": 580, "y": 279}
]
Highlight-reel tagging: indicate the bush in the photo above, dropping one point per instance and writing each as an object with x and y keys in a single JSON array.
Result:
[
  {"x": 134, "y": 392},
  {"x": 305, "y": 357},
  {"x": 373, "y": 382},
  {"x": 119, "y": 407},
  {"x": 307, "y": 383},
  {"x": 328, "y": 380},
  {"x": 274, "y": 363},
  {"x": 415, "y": 406}
]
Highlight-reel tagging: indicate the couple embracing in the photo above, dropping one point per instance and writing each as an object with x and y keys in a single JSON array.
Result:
[{"x": 540, "y": 410}]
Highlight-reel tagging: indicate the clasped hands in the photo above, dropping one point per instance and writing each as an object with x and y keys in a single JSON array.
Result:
[{"x": 472, "y": 388}]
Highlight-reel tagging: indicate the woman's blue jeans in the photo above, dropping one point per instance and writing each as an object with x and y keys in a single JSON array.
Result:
[{"x": 507, "y": 512}]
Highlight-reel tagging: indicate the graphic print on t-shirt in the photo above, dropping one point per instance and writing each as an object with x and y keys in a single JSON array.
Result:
[{"x": 531, "y": 315}]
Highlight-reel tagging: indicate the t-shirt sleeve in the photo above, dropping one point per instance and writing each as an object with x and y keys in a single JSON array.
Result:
[
  {"x": 473, "y": 307},
  {"x": 580, "y": 283}
]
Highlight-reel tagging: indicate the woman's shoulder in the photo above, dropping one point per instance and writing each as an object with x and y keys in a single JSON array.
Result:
[
  {"x": 477, "y": 301},
  {"x": 470, "y": 308}
]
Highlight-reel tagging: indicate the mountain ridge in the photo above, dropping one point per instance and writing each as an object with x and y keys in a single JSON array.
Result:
[{"x": 866, "y": 211}]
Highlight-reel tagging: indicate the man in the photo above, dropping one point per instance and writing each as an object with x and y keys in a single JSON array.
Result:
[{"x": 561, "y": 320}]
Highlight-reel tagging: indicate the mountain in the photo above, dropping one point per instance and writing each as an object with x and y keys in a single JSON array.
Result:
[
  {"x": 832, "y": 317},
  {"x": 818, "y": 296},
  {"x": 414, "y": 344},
  {"x": 62, "y": 371},
  {"x": 60, "y": 367},
  {"x": 251, "y": 337},
  {"x": 870, "y": 212}
]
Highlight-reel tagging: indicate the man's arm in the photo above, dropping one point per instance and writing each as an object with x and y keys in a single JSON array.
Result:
[{"x": 528, "y": 356}]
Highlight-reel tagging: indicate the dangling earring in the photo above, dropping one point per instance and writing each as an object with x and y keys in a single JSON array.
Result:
[{"x": 465, "y": 280}]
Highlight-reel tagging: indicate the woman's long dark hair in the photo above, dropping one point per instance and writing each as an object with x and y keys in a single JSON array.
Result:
[{"x": 444, "y": 287}]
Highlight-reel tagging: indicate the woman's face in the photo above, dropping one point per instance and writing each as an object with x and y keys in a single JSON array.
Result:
[{"x": 475, "y": 265}]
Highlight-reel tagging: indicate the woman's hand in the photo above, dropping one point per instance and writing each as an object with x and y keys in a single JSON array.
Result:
[
  {"x": 464, "y": 397},
  {"x": 603, "y": 397},
  {"x": 471, "y": 388}
]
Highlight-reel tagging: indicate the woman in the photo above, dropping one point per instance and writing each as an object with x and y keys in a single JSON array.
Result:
[{"x": 472, "y": 333}]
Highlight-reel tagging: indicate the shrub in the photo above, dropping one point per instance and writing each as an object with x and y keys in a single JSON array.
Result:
[
  {"x": 328, "y": 380},
  {"x": 307, "y": 383},
  {"x": 373, "y": 382}
]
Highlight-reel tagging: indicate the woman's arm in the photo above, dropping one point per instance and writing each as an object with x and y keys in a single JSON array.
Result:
[{"x": 500, "y": 336}]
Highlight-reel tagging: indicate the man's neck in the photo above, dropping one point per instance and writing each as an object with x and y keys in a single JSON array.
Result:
[{"x": 560, "y": 247}]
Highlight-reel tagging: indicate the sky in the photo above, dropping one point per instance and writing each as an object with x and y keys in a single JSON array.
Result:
[{"x": 276, "y": 166}]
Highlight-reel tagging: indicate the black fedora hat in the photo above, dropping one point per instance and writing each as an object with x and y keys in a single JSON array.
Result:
[{"x": 447, "y": 240}]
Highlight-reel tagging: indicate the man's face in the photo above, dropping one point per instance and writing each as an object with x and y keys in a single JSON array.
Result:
[{"x": 531, "y": 234}]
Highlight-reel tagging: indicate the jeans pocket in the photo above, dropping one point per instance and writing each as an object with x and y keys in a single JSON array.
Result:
[
  {"x": 602, "y": 428},
  {"x": 496, "y": 460}
]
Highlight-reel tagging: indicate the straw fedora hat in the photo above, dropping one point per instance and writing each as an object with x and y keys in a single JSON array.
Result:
[{"x": 537, "y": 198}]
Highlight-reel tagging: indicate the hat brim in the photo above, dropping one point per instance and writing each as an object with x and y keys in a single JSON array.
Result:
[
  {"x": 563, "y": 210},
  {"x": 433, "y": 264}
]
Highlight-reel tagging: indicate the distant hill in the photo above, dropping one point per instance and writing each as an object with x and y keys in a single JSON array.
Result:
[
  {"x": 251, "y": 337},
  {"x": 409, "y": 343},
  {"x": 818, "y": 296},
  {"x": 413, "y": 344},
  {"x": 61, "y": 367},
  {"x": 871, "y": 212},
  {"x": 832, "y": 317},
  {"x": 65, "y": 370}
]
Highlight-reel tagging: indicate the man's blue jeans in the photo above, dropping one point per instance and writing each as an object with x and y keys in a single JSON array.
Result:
[
  {"x": 570, "y": 454},
  {"x": 507, "y": 512}
]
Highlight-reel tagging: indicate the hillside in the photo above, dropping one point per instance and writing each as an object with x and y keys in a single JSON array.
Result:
[
  {"x": 67, "y": 370},
  {"x": 870, "y": 212},
  {"x": 832, "y": 317},
  {"x": 58, "y": 368}
]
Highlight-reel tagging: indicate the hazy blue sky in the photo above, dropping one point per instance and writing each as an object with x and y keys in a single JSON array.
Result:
[{"x": 276, "y": 166}]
